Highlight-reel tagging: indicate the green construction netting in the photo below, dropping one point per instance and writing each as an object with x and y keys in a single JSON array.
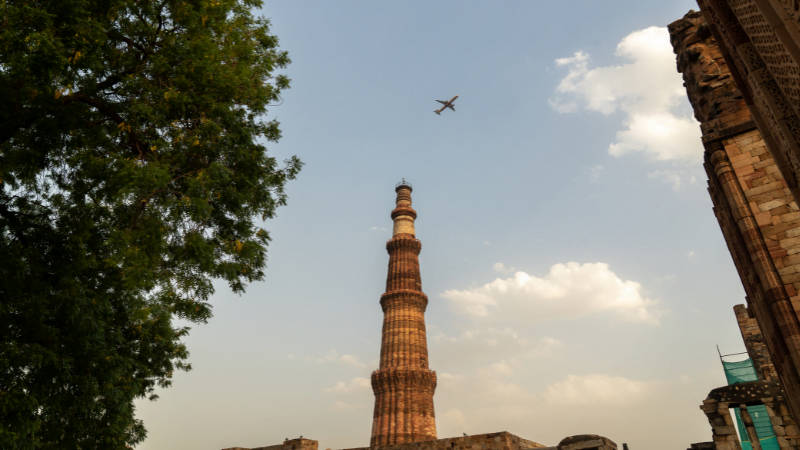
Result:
[{"x": 742, "y": 372}]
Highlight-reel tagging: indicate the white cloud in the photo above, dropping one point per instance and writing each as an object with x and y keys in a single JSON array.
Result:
[
  {"x": 448, "y": 376},
  {"x": 678, "y": 177},
  {"x": 646, "y": 90},
  {"x": 490, "y": 381},
  {"x": 354, "y": 385},
  {"x": 663, "y": 135},
  {"x": 500, "y": 267},
  {"x": 453, "y": 418},
  {"x": 666, "y": 278},
  {"x": 333, "y": 356},
  {"x": 343, "y": 406},
  {"x": 597, "y": 389},
  {"x": 595, "y": 172},
  {"x": 352, "y": 361},
  {"x": 568, "y": 290},
  {"x": 490, "y": 343},
  {"x": 502, "y": 368}
]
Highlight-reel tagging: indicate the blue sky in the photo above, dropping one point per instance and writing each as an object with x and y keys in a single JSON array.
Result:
[{"x": 577, "y": 277}]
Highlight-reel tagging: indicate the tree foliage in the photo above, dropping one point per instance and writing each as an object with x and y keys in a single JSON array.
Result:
[{"x": 133, "y": 174}]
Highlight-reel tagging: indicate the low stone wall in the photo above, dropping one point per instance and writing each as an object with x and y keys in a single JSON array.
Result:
[
  {"x": 587, "y": 442},
  {"x": 291, "y": 444},
  {"x": 492, "y": 441},
  {"x": 703, "y": 446}
]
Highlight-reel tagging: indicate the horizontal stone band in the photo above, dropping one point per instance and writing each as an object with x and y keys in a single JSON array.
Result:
[
  {"x": 402, "y": 297},
  {"x": 396, "y": 378},
  {"x": 404, "y": 241},
  {"x": 403, "y": 211}
]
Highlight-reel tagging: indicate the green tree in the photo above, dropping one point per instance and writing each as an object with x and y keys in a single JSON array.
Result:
[{"x": 133, "y": 174}]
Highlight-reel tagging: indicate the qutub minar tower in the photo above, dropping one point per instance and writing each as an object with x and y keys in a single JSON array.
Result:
[{"x": 404, "y": 384}]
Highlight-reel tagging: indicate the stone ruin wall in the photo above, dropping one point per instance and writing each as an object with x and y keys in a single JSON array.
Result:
[
  {"x": 755, "y": 344},
  {"x": 290, "y": 444},
  {"x": 717, "y": 407},
  {"x": 757, "y": 213}
]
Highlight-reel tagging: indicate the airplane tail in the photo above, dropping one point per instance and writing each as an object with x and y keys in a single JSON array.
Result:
[{"x": 438, "y": 112}]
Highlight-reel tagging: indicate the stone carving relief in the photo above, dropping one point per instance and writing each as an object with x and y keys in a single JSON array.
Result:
[
  {"x": 771, "y": 50},
  {"x": 792, "y": 9}
]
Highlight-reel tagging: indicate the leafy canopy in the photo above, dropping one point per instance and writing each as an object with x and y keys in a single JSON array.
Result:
[{"x": 133, "y": 173}]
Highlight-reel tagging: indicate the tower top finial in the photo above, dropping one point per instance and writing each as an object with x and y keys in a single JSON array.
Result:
[{"x": 403, "y": 185}]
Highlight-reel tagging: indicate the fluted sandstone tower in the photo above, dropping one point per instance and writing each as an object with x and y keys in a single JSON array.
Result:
[{"x": 404, "y": 384}]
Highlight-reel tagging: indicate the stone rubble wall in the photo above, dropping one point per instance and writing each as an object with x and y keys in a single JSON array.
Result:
[{"x": 755, "y": 343}]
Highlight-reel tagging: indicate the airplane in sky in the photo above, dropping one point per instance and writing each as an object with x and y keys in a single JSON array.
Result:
[{"x": 447, "y": 104}]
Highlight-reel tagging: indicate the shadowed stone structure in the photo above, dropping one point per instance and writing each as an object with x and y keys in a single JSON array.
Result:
[
  {"x": 760, "y": 41},
  {"x": 404, "y": 384},
  {"x": 768, "y": 393},
  {"x": 755, "y": 344},
  {"x": 586, "y": 442},
  {"x": 752, "y": 198}
]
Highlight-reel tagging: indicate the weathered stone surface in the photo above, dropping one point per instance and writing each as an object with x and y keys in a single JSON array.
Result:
[
  {"x": 586, "y": 442},
  {"x": 760, "y": 43},
  {"x": 749, "y": 190},
  {"x": 755, "y": 344},
  {"x": 708, "y": 80},
  {"x": 750, "y": 393}
]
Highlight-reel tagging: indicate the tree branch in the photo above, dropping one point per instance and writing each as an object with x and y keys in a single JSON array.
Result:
[{"x": 97, "y": 104}]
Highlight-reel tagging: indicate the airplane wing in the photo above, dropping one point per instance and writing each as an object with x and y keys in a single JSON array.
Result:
[
  {"x": 444, "y": 103},
  {"x": 451, "y": 107}
]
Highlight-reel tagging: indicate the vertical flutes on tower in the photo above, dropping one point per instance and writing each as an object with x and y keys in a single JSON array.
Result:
[{"x": 404, "y": 384}]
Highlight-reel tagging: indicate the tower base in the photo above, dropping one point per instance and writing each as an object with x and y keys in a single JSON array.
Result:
[{"x": 491, "y": 441}]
